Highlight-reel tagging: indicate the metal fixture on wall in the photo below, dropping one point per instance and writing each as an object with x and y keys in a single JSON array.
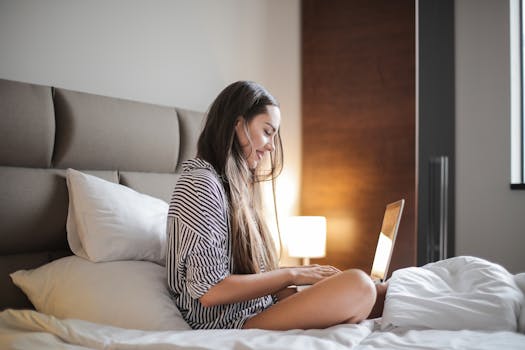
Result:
[{"x": 438, "y": 209}]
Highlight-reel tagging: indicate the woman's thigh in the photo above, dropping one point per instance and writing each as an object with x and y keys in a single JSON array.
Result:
[{"x": 346, "y": 297}]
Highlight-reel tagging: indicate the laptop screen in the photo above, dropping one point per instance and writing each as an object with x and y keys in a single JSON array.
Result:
[{"x": 387, "y": 238}]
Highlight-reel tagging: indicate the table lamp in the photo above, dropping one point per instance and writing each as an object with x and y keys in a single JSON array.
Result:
[{"x": 306, "y": 237}]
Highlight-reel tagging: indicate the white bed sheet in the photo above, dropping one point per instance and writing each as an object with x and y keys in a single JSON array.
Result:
[
  {"x": 25, "y": 329},
  {"x": 406, "y": 339}
]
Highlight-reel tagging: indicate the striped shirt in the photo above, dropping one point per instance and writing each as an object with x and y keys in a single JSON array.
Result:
[{"x": 199, "y": 251}]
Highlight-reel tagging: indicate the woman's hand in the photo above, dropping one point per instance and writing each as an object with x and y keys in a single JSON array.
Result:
[{"x": 312, "y": 274}]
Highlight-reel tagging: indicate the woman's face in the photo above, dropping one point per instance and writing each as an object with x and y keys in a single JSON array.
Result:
[{"x": 258, "y": 136}]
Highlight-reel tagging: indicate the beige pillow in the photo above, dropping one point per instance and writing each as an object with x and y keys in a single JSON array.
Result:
[{"x": 127, "y": 294}]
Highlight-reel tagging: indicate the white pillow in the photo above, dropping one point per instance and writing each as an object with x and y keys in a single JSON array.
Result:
[
  {"x": 108, "y": 221},
  {"x": 458, "y": 293},
  {"x": 127, "y": 294}
]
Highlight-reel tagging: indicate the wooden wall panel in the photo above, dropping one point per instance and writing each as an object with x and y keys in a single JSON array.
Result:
[{"x": 359, "y": 124}]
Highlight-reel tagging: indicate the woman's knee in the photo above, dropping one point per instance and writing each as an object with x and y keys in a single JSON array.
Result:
[
  {"x": 362, "y": 292},
  {"x": 362, "y": 285}
]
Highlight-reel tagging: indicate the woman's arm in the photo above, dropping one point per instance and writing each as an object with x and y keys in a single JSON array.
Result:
[
  {"x": 285, "y": 293},
  {"x": 237, "y": 288}
]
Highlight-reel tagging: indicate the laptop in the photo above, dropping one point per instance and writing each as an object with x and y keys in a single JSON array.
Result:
[{"x": 386, "y": 240}]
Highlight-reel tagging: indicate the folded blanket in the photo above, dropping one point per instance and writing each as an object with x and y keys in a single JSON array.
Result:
[{"x": 454, "y": 294}]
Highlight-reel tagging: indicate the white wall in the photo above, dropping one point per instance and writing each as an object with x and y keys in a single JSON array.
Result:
[
  {"x": 490, "y": 218},
  {"x": 169, "y": 52}
]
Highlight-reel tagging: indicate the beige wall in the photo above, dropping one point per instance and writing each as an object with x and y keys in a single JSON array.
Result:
[
  {"x": 489, "y": 216},
  {"x": 170, "y": 52}
]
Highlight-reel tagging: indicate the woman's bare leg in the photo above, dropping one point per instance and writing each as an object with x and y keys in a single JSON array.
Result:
[
  {"x": 377, "y": 310},
  {"x": 347, "y": 297}
]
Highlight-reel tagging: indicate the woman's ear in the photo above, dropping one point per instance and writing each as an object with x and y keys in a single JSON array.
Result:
[
  {"x": 242, "y": 132},
  {"x": 239, "y": 123}
]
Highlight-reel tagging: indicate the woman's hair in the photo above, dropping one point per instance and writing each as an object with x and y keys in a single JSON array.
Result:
[{"x": 252, "y": 244}]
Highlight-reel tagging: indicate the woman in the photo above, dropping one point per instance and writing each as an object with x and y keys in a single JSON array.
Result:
[{"x": 222, "y": 265}]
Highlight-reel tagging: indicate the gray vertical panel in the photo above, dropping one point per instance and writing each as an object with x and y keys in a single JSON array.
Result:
[
  {"x": 190, "y": 125},
  {"x": 438, "y": 203},
  {"x": 27, "y": 124},
  {"x": 436, "y": 110},
  {"x": 100, "y": 132}
]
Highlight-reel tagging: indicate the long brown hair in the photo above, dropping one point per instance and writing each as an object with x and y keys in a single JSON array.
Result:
[{"x": 252, "y": 245}]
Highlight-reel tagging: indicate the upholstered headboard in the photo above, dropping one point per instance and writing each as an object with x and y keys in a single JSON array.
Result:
[{"x": 45, "y": 130}]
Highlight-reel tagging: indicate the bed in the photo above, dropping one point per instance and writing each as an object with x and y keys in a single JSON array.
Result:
[{"x": 84, "y": 185}]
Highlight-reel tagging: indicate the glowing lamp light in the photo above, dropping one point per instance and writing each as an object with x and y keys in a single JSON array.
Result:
[{"x": 306, "y": 237}]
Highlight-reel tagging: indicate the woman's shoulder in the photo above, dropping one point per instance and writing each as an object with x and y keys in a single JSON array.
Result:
[
  {"x": 200, "y": 176},
  {"x": 198, "y": 195},
  {"x": 197, "y": 164},
  {"x": 199, "y": 169}
]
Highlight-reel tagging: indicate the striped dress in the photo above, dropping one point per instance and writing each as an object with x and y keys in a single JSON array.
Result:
[{"x": 199, "y": 251}]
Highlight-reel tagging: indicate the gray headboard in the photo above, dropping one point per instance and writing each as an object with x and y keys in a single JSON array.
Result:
[{"x": 45, "y": 130}]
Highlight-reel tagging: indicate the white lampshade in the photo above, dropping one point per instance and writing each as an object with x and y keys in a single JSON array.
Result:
[{"x": 306, "y": 236}]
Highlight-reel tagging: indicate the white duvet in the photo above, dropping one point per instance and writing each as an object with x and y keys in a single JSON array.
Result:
[
  {"x": 454, "y": 294},
  {"x": 460, "y": 303}
]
